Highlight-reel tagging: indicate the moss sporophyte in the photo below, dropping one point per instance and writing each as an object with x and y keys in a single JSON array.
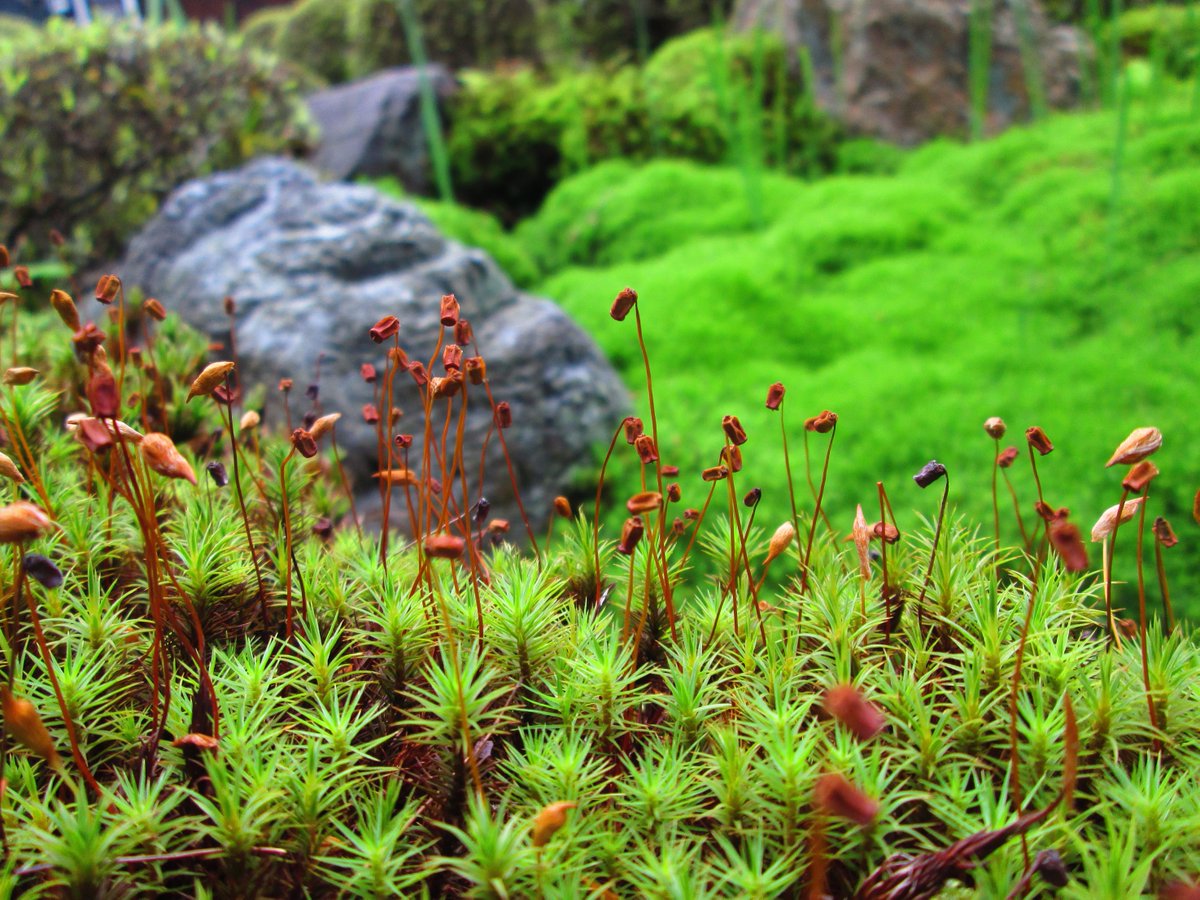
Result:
[{"x": 228, "y": 681}]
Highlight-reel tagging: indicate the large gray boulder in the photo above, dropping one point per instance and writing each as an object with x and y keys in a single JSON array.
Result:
[
  {"x": 312, "y": 266},
  {"x": 373, "y": 127},
  {"x": 902, "y": 72}
]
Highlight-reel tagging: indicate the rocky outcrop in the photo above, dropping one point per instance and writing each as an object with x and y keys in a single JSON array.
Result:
[
  {"x": 373, "y": 127},
  {"x": 899, "y": 69},
  {"x": 312, "y": 266}
]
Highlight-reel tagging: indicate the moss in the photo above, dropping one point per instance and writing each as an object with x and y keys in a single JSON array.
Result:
[
  {"x": 315, "y": 36},
  {"x": 262, "y": 28},
  {"x": 1170, "y": 30},
  {"x": 99, "y": 123},
  {"x": 704, "y": 96},
  {"x": 977, "y": 281}
]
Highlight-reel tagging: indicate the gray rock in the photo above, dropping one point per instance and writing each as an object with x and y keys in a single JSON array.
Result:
[
  {"x": 903, "y": 70},
  {"x": 372, "y": 127},
  {"x": 313, "y": 266}
]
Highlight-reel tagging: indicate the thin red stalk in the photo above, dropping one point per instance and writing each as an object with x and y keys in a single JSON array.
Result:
[
  {"x": 733, "y": 554},
  {"x": 25, "y": 456},
  {"x": 512, "y": 477},
  {"x": 1162, "y": 584},
  {"x": 812, "y": 529},
  {"x": 1025, "y": 540},
  {"x": 937, "y": 534},
  {"x": 668, "y": 601},
  {"x": 1142, "y": 619},
  {"x": 787, "y": 465},
  {"x": 345, "y": 481},
  {"x": 1112, "y": 555},
  {"x": 696, "y": 525},
  {"x": 886, "y": 593},
  {"x": 120, "y": 338},
  {"x": 287, "y": 537},
  {"x": 1041, "y": 550},
  {"x": 628, "y": 601},
  {"x": 996, "y": 500},
  {"x": 385, "y": 419},
  {"x": 44, "y": 649},
  {"x": 237, "y": 484},
  {"x": 596, "y": 513},
  {"x": 1014, "y": 751}
]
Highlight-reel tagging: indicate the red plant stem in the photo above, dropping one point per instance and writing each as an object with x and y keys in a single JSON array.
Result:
[
  {"x": 628, "y": 602},
  {"x": 14, "y": 330},
  {"x": 812, "y": 528},
  {"x": 787, "y": 465},
  {"x": 937, "y": 534},
  {"x": 662, "y": 512},
  {"x": 1162, "y": 585},
  {"x": 886, "y": 593},
  {"x": 1025, "y": 541},
  {"x": 1142, "y": 619},
  {"x": 512, "y": 477},
  {"x": 385, "y": 424},
  {"x": 287, "y": 537},
  {"x": 287, "y": 408},
  {"x": 696, "y": 525},
  {"x": 337, "y": 459},
  {"x": 1112, "y": 555},
  {"x": 996, "y": 502},
  {"x": 458, "y": 465},
  {"x": 762, "y": 629},
  {"x": 734, "y": 530},
  {"x": 44, "y": 649},
  {"x": 25, "y": 456},
  {"x": 120, "y": 338},
  {"x": 812, "y": 487},
  {"x": 1014, "y": 752},
  {"x": 820, "y": 865},
  {"x": 141, "y": 505},
  {"x": 237, "y": 484},
  {"x": 1041, "y": 550},
  {"x": 596, "y": 513}
]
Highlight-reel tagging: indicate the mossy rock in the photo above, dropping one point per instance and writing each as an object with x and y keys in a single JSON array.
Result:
[
  {"x": 315, "y": 37},
  {"x": 1170, "y": 34},
  {"x": 616, "y": 29},
  {"x": 467, "y": 33}
]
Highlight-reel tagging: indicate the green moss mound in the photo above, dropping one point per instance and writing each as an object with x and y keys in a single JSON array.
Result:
[
  {"x": 1168, "y": 34},
  {"x": 706, "y": 96},
  {"x": 329, "y": 717},
  {"x": 1009, "y": 278},
  {"x": 315, "y": 35}
]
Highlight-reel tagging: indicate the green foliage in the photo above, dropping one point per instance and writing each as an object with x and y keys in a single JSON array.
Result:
[
  {"x": 1168, "y": 33},
  {"x": 99, "y": 123},
  {"x": 340, "y": 40},
  {"x": 603, "y": 30},
  {"x": 262, "y": 28},
  {"x": 504, "y": 142},
  {"x": 16, "y": 32},
  {"x": 1077, "y": 11},
  {"x": 314, "y": 34},
  {"x": 485, "y": 724},
  {"x": 978, "y": 281},
  {"x": 705, "y": 96}
]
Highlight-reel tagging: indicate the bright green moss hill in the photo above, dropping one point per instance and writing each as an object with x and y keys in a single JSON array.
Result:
[{"x": 1009, "y": 278}]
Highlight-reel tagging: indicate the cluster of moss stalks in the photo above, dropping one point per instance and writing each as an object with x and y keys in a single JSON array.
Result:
[{"x": 217, "y": 685}]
